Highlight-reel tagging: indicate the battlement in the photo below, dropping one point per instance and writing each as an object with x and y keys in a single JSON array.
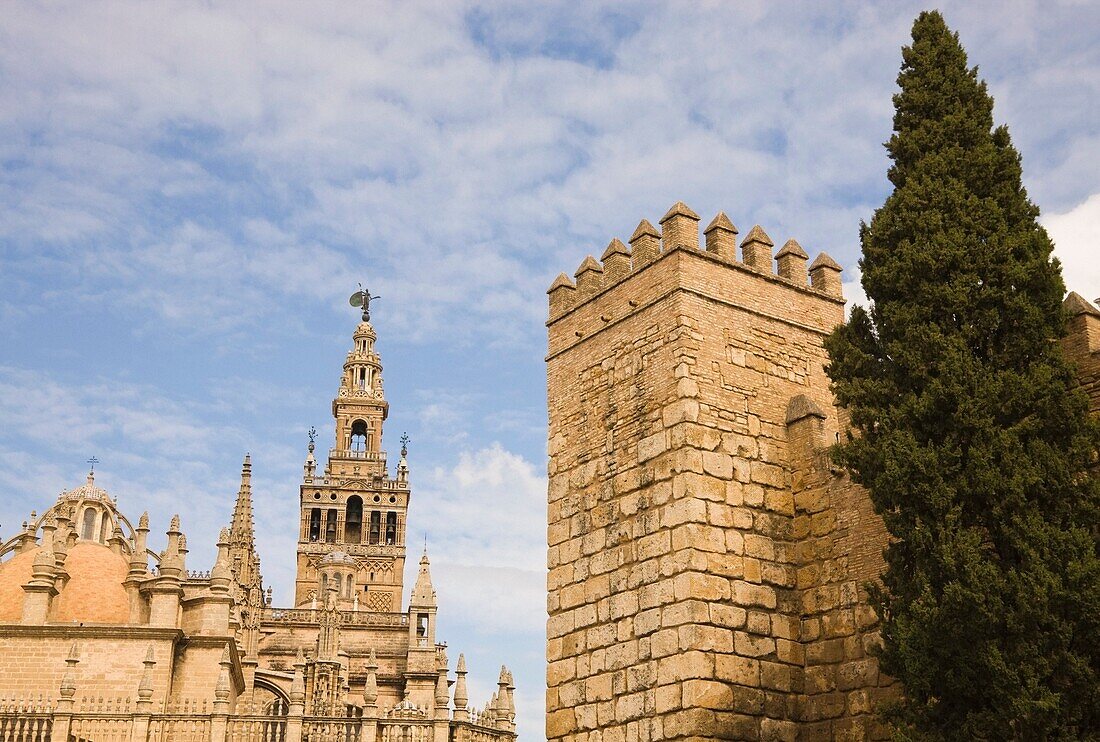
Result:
[
  {"x": 628, "y": 281},
  {"x": 679, "y": 230}
]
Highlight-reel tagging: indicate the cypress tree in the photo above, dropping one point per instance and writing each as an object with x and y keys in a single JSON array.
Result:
[{"x": 970, "y": 433}]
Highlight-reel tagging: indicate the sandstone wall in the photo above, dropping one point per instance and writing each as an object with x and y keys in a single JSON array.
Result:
[
  {"x": 704, "y": 561},
  {"x": 32, "y": 661}
]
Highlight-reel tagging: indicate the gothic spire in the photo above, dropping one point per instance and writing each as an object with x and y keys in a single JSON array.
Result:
[
  {"x": 423, "y": 594},
  {"x": 241, "y": 531},
  {"x": 244, "y": 561}
]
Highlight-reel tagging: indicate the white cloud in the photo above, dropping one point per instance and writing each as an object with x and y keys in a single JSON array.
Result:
[
  {"x": 485, "y": 519},
  {"x": 1076, "y": 236},
  {"x": 853, "y": 289},
  {"x": 497, "y": 600},
  {"x": 489, "y": 509},
  {"x": 461, "y": 155},
  {"x": 156, "y": 454}
]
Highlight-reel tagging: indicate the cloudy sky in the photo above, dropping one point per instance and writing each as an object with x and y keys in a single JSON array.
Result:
[{"x": 190, "y": 191}]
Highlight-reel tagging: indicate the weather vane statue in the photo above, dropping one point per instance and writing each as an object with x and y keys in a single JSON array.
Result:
[{"x": 362, "y": 298}]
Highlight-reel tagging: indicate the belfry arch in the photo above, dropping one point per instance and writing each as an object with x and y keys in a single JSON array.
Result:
[{"x": 353, "y": 520}]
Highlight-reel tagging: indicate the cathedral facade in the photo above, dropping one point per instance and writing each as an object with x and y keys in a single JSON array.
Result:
[{"x": 107, "y": 635}]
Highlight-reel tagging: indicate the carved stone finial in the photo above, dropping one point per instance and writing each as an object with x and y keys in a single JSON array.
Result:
[
  {"x": 461, "y": 695},
  {"x": 68, "y": 680},
  {"x": 145, "y": 687},
  {"x": 221, "y": 690}
]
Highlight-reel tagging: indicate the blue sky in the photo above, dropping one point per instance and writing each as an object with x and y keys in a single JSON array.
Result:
[{"x": 190, "y": 192}]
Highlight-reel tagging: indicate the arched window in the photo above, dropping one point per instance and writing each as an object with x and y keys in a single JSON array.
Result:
[
  {"x": 359, "y": 436},
  {"x": 88, "y": 532},
  {"x": 103, "y": 532},
  {"x": 391, "y": 529},
  {"x": 324, "y": 585},
  {"x": 347, "y": 593},
  {"x": 330, "y": 527},
  {"x": 353, "y": 520},
  {"x": 315, "y": 524},
  {"x": 375, "y": 526}
]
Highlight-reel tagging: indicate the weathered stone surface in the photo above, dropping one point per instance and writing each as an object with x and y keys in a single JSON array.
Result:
[{"x": 699, "y": 544}]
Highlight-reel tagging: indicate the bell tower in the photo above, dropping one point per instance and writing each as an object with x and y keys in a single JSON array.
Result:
[{"x": 352, "y": 527}]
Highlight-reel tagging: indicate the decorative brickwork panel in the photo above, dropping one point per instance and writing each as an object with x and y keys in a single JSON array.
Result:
[{"x": 380, "y": 601}]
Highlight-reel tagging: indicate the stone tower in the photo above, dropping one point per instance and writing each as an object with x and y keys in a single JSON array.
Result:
[
  {"x": 352, "y": 529},
  {"x": 704, "y": 559}
]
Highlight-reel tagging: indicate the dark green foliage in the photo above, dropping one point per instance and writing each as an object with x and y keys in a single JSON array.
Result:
[{"x": 971, "y": 434}]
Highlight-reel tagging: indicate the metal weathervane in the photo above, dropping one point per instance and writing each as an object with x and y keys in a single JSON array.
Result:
[{"x": 362, "y": 298}]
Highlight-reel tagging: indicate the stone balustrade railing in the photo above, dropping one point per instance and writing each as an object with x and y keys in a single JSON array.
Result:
[{"x": 45, "y": 722}]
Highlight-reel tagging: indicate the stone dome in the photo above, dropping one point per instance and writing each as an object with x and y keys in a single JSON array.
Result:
[
  {"x": 94, "y": 592},
  {"x": 86, "y": 491},
  {"x": 14, "y": 573}
]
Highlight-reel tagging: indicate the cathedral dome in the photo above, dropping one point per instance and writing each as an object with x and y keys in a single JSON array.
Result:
[
  {"x": 86, "y": 491},
  {"x": 94, "y": 592},
  {"x": 14, "y": 573}
]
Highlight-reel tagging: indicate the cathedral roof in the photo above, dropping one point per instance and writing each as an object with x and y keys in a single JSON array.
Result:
[
  {"x": 14, "y": 573},
  {"x": 94, "y": 592}
]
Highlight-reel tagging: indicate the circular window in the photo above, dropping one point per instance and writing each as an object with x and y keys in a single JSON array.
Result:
[
  {"x": 377, "y": 498},
  {"x": 316, "y": 495},
  {"x": 393, "y": 499},
  {"x": 332, "y": 496}
]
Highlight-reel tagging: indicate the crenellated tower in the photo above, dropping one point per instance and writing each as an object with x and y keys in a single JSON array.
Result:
[
  {"x": 352, "y": 527},
  {"x": 705, "y": 560}
]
